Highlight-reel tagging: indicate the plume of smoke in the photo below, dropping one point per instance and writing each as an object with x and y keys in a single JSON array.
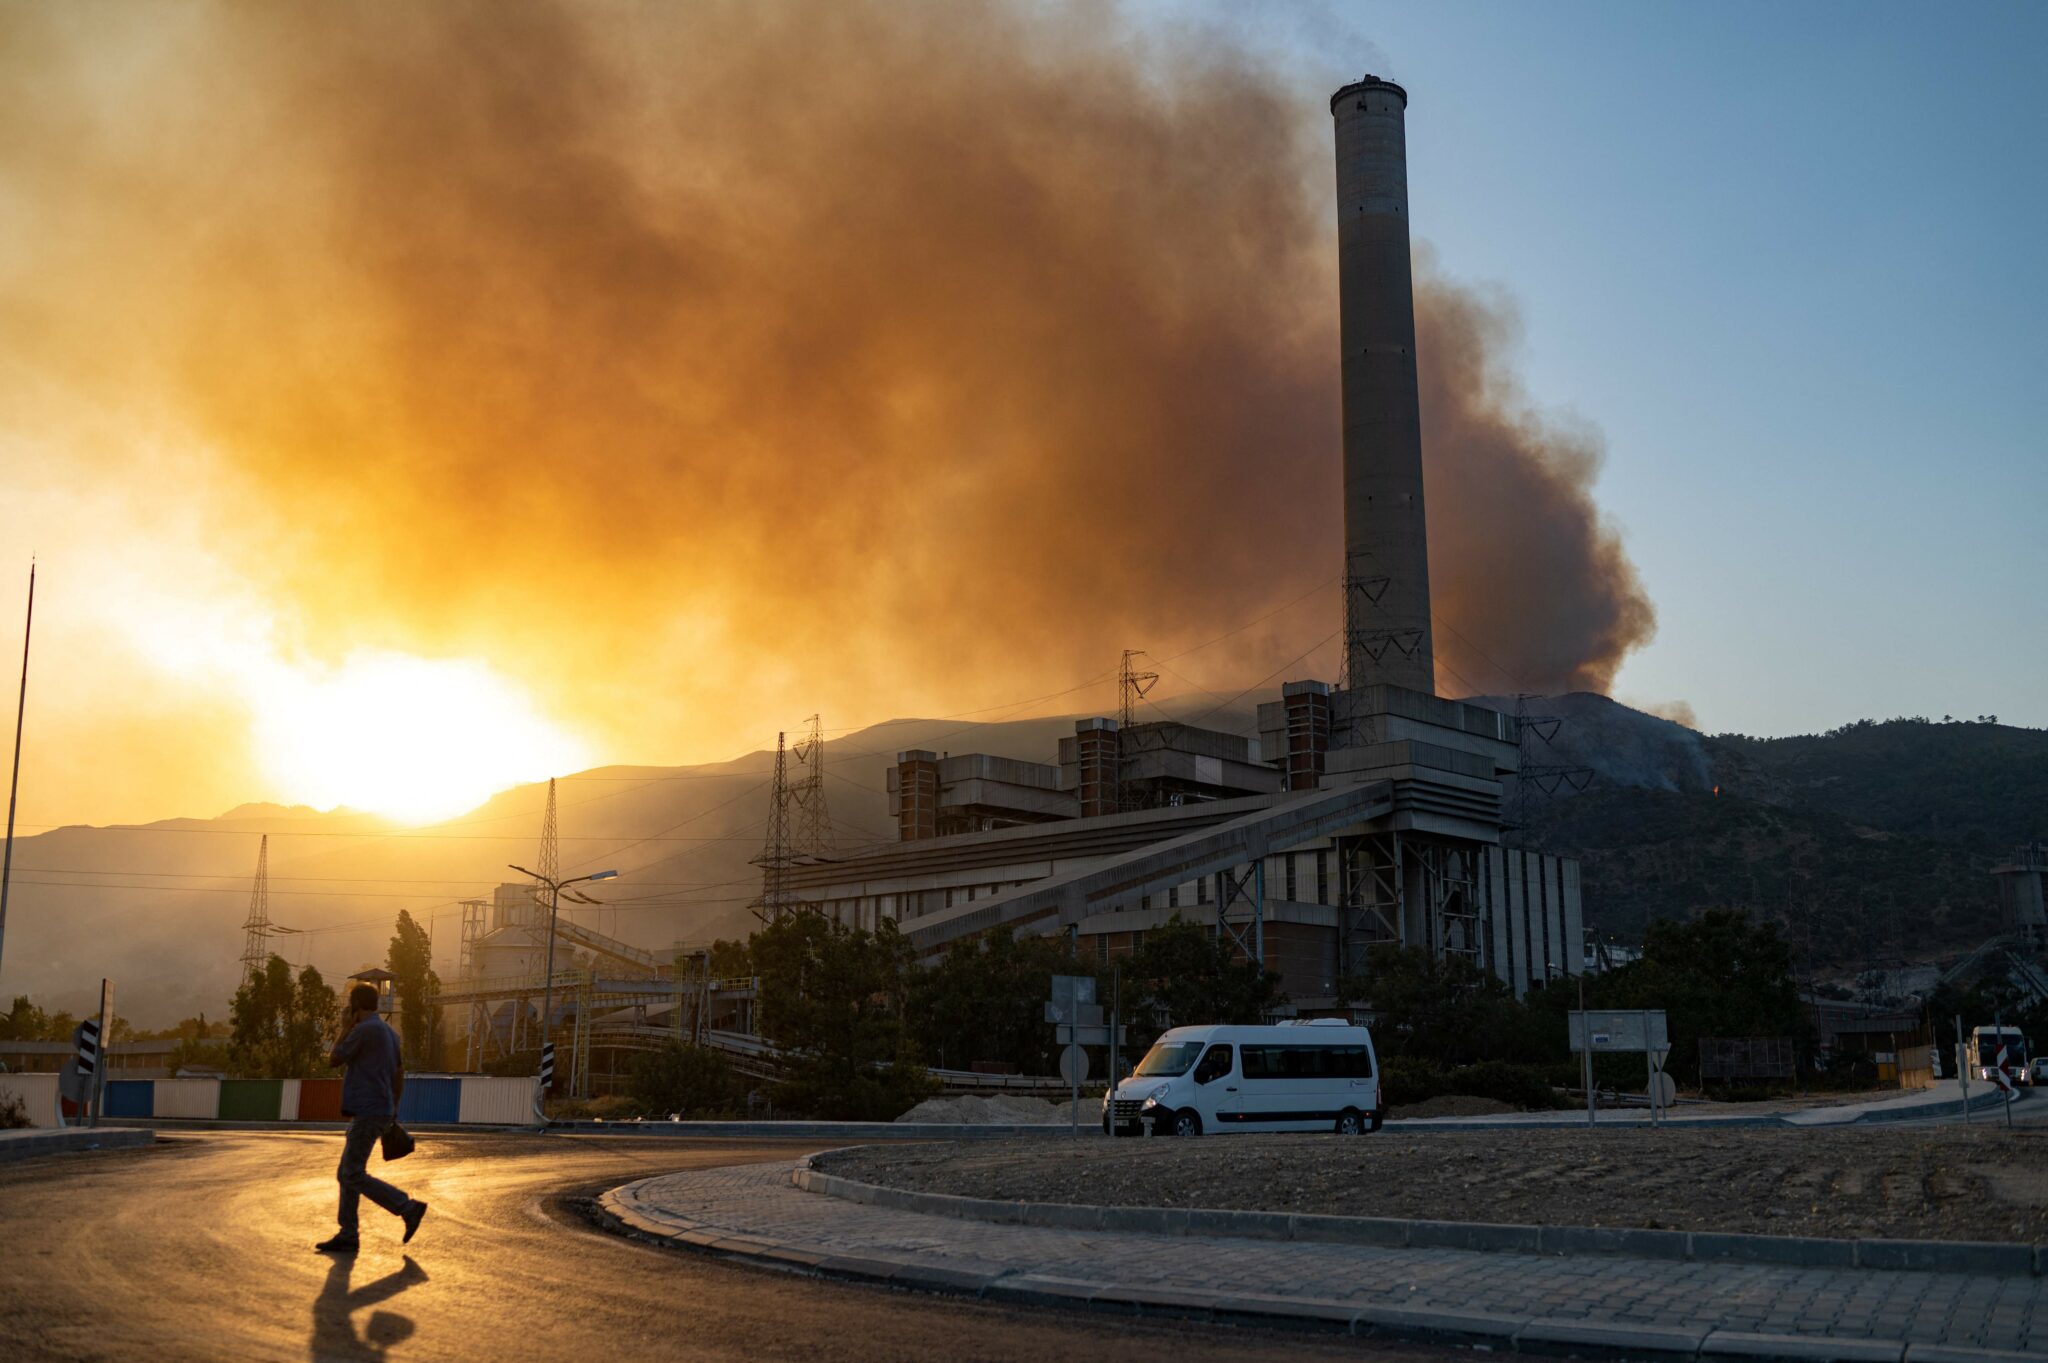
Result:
[
  {"x": 1539, "y": 591},
  {"x": 726, "y": 361}
]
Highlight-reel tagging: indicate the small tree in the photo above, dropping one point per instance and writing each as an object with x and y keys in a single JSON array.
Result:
[
  {"x": 985, "y": 1000},
  {"x": 1444, "y": 1011},
  {"x": 281, "y": 1026},
  {"x": 1185, "y": 974},
  {"x": 833, "y": 999},
  {"x": 411, "y": 958}
]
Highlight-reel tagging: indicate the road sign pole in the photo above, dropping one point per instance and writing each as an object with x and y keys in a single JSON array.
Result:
[
  {"x": 1963, "y": 1068},
  {"x": 1586, "y": 1049},
  {"x": 2004, "y": 1080},
  {"x": 99, "y": 1074}
]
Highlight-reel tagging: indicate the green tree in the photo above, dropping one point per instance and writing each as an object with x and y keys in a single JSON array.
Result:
[
  {"x": 731, "y": 960},
  {"x": 833, "y": 998},
  {"x": 1444, "y": 1011},
  {"x": 26, "y": 1021},
  {"x": 1184, "y": 974},
  {"x": 691, "y": 1081},
  {"x": 411, "y": 958},
  {"x": 282, "y": 1028},
  {"x": 1720, "y": 975},
  {"x": 985, "y": 1000}
]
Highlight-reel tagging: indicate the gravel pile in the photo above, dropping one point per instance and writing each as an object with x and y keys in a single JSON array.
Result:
[{"x": 1003, "y": 1108}]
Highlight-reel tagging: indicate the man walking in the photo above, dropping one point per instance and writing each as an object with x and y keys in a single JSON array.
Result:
[{"x": 369, "y": 1099}]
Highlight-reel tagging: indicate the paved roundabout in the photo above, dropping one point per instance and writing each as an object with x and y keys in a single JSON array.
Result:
[{"x": 1584, "y": 1303}]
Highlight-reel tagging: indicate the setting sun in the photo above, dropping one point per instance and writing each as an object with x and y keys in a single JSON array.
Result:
[{"x": 413, "y": 738}]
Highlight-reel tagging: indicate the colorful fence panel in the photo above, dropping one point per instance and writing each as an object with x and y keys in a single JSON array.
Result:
[
  {"x": 319, "y": 1100},
  {"x": 131, "y": 1097},
  {"x": 496, "y": 1102},
  {"x": 251, "y": 1100},
  {"x": 38, "y": 1095},
  {"x": 190, "y": 1098},
  {"x": 430, "y": 1100},
  {"x": 288, "y": 1100}
]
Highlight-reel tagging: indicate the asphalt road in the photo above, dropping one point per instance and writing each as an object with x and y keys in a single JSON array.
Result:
[{"x": 201, "y": 1249}]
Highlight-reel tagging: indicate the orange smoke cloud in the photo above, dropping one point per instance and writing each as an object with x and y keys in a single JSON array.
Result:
[{"x": 708, "y": 365}]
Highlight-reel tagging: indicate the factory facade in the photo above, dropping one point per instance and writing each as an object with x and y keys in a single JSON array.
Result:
[{"x": 1359, "y": 816}]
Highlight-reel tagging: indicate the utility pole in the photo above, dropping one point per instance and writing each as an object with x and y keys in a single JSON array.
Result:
[
  {"x": 554, "y": 889},
  {"x": 14, "y": 782}
]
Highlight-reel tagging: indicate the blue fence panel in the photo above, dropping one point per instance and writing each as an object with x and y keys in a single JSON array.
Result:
[
  {"x": 131, "y": 1097},
  {"x": 430, "y": 1100}
]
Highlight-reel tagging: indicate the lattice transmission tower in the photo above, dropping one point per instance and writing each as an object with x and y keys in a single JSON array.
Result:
[
  {"x": 256, "y": 927},
  {"x": 799, "y": 824},
  {"x": 1132, "y": 687}
]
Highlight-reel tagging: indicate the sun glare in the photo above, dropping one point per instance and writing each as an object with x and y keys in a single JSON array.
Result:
[{"x": 416, "y": 739}]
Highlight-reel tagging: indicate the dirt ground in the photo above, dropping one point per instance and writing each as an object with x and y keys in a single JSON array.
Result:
[{"x": 1927, "y": 1183}]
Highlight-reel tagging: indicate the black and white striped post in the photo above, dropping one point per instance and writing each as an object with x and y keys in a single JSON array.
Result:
[{"x": 80, "y": 1084}]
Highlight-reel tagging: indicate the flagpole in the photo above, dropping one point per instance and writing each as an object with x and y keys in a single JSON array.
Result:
[{"x": 14, "y": 781}]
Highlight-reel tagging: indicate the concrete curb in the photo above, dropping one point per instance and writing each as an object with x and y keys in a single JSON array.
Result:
[
  {"x": 1980, "y": 1258},
  {"x": 617, "y": 1212},
  {"x": 911, "y": 1131},
  {"x": 232, "y": 1124},
  {"x": 54, "y": 1141}
]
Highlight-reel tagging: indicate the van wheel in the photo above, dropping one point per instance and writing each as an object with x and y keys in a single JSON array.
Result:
[
  {"x": 1187, "y": 1124},
  {"x": 1350, "y": 1123}
]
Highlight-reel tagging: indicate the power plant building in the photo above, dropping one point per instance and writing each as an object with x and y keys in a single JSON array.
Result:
[{"x": 1363, "y": 814}]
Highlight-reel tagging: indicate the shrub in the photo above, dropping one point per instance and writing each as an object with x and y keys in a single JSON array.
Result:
[
  {"x": 693, "y": 1081},
  {"x": 1407, "y": 1081},
  {"x": 13, "y": 1115},
  {"x": 1522, "y": 1085}
]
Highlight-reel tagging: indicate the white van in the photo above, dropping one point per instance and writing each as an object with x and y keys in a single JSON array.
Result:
[{"x": 1317, "y": 1074}]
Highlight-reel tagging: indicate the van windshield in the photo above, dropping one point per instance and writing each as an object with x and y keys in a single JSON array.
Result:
[{"x": 1168, "y": 1059}]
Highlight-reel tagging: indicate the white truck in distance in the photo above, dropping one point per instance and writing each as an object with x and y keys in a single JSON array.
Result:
[{"x": 1318, "y": 1074}]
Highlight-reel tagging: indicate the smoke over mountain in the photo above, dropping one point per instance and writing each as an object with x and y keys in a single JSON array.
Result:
[{"x": 712, "y": 364}]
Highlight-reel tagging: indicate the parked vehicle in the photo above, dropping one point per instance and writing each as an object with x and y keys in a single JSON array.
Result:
[
  {"x": 1318, "y": 1074},
  {"x": 1985, "y": 1044}
]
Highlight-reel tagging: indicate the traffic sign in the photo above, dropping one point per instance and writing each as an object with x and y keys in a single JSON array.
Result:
[
  {"x": 1074, "y": 1065},
  {"x": 1621, "y": 1029},
  {"x": 1087, "y": 1036}
]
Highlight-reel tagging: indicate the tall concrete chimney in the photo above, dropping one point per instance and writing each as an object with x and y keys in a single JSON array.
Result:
[{"x": 1386, "y": 611}]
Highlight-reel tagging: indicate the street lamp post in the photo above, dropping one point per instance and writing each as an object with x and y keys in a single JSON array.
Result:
[{"x": 547, "y": 996}]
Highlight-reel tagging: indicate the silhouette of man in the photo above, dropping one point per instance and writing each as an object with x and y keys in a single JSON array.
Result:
[{"x": 369, "y": 1099}]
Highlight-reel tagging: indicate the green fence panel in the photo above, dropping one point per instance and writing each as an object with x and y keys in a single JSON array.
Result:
[{"x": 251, "y": 1100}]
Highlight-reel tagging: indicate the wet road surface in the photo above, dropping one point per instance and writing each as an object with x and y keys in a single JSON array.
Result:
[{"x": 201, "y": 1249}]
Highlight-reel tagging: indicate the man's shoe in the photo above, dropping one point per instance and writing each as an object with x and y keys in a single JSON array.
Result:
[
  {"x": 413, "y": 1214},
  {"x": 341, "y": 1243}
]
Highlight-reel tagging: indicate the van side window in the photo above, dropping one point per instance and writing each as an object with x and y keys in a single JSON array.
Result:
[
  {"x": 1307, "y": 1062},
  {"x": 1215, "y": 1064}
]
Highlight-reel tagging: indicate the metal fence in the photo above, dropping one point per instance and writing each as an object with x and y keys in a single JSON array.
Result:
[{"x": 1747, "y": 1057}]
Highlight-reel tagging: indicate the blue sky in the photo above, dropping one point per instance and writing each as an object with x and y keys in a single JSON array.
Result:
[{"x": 1793, "y": 262}]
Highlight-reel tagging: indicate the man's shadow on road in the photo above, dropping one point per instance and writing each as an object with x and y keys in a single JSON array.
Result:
[{"x": 334, "y": 1332}]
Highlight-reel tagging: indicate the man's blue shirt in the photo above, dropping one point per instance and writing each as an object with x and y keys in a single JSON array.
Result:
[{"x": 370, "y": 1051}]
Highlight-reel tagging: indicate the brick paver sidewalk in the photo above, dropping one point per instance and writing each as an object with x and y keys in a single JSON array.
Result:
[{"x": 1638, "y": 1307}]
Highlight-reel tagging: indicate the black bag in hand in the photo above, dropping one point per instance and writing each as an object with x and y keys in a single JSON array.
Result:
[{"x": 396, "y": 1141}]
